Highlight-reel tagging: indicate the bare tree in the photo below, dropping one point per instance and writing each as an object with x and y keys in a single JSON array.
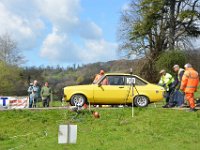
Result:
[{"x": 9, "y": 52}]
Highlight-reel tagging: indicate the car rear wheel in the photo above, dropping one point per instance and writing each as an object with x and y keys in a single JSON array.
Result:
[
  {"x": 141, "y": 101},
  {"x": 78, "y": 100}
]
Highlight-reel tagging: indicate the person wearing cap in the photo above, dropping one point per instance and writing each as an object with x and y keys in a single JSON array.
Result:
[
  {"x": 166, "y": 81},
  {"x": 189, "y": 84},
  {"x": 178, "y": 95},
  {"x": 180, "y": 72},
  {"x": 98, "y": 76}
]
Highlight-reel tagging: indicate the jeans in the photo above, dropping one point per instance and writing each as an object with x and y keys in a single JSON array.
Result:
[
  {"x": 179, "y": 98},
  {"x": 32, "y": 101}
]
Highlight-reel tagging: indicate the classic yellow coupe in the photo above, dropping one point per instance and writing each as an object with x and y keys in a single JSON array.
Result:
[{"x": 115, "y": 89}]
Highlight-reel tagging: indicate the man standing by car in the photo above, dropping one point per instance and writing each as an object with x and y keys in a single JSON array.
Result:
[
  {"x": 33, "y": 94},
  {"x": 189, "y": 84},
  {"x": 166, "y": 81},
  {"x": 46, "y": 94}
]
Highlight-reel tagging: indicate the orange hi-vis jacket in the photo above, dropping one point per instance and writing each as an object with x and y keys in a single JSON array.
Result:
[{"x": 190, "y": 81}]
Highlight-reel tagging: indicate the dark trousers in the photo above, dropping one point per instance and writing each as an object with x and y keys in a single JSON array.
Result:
[
  {"x": 45, "y": 101},
  {"x": 168, "y": 94}
]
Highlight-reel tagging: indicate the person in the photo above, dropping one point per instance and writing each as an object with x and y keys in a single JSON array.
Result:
[
  {"x": 98, "y": 76},
  {"x": 33, "y": 94},
  {"x": 178, "y": 98},
  {"x": 166, "y": 81},
  {"x": 189, "y": 84},
  {"x": 46, "y": 94}
]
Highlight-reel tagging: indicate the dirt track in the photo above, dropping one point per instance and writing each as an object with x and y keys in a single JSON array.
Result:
[{"x": 68, "y": 108}]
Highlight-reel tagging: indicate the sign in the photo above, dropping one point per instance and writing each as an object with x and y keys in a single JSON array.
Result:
[
  {"x": 130, "y": 81},
  {"x": 67, "y": 134},
  {"x": 4, "y": 101},
  {"x": 14, "y": 102}
]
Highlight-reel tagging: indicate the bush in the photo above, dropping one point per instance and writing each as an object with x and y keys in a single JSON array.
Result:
[{"x": 168, "y": 59}]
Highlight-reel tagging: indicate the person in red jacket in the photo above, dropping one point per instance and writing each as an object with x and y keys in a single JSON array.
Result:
[{"x": 189, "y": 84}]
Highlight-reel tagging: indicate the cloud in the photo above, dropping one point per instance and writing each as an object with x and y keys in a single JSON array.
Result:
[
  {"x": 58, "y": 47},
  {"x": 89, "y": 44},
  {"x": 89, "y": 30},
  {"x": 23, "y": 29},
  {"x": 56, "y": 29},
  {"x": 99, "y": 50}
]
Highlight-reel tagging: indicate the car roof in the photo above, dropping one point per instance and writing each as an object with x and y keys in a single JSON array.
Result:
[
  {"x": 126, "y": 74},
  {"x": 122, "y": 74}
]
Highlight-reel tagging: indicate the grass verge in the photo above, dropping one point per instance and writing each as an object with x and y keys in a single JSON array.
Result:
[{"x": 150, "y": 128}]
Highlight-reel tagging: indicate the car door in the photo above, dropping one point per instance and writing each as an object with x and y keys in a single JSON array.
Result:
[{"x": 111, "y": 90}]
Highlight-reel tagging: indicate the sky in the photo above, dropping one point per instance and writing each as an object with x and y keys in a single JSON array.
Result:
[{"x": 63, "y": 32}]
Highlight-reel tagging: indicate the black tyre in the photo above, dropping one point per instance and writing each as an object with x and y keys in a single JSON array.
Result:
[
  {"x": 141, "y": 101},
  {"x": 77, "y": 100}
]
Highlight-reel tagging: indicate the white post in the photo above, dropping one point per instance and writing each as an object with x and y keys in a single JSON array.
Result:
[
  {"x": 132, "y": 101},
  {"x": 132, "y": 110}
]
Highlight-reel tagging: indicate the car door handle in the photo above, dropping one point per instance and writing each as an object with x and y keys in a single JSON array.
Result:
[{"x": 121, "y": 87}]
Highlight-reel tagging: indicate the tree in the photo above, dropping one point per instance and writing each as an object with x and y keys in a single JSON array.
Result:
[
  {"x": 150, "y": 27},
  {"x": 9, "y": 53},
  {"x": 9, "y": 76}
]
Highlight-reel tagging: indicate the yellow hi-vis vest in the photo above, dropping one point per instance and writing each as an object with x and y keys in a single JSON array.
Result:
[{"x": 166, "y": 79}]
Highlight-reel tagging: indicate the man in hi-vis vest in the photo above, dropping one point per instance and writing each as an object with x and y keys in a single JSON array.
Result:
[
  {"x": 189, "y": 84},
  {"x": 166, "y": 81}
]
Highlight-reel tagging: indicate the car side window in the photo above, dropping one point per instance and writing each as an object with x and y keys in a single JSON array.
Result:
[
  {"x": 114, "y": 80},
  {"x": 135, "y": 80}
]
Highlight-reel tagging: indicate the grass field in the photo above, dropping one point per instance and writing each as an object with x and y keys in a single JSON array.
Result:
[{"x": 150, "y": 128}]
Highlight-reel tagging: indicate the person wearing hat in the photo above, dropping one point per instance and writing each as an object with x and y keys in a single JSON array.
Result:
[
  {"x": 189, "y": 84},
  {"x": 178, "y": 94},
  {"x": 98, "y": 76},
  {"x": 166, "y": 81}
]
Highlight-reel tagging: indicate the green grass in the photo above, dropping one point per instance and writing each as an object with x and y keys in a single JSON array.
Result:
[
  {"x": 150, "y": 128},
  {"x": 197, "y": 94}
]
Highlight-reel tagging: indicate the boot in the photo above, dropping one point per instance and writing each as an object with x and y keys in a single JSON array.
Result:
[
  {"x": 192, "y": 110},
  {"x": 165, "y": 106}
]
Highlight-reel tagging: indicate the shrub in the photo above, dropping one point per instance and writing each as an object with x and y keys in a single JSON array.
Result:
[{"x": 168, "y": 59}]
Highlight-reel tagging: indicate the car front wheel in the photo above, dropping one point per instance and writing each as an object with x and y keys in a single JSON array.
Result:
[
  {"x": 78, "y": 100},
  {"x": 141, "y": 101}
]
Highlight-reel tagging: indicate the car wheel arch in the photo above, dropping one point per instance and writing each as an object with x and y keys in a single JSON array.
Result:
[
  {"x": 141, "y": 95},
  {"x": 81, "y": 95}
]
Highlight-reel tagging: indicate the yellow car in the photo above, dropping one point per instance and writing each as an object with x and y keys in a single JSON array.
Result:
[{"x": 115, "y": 89}]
